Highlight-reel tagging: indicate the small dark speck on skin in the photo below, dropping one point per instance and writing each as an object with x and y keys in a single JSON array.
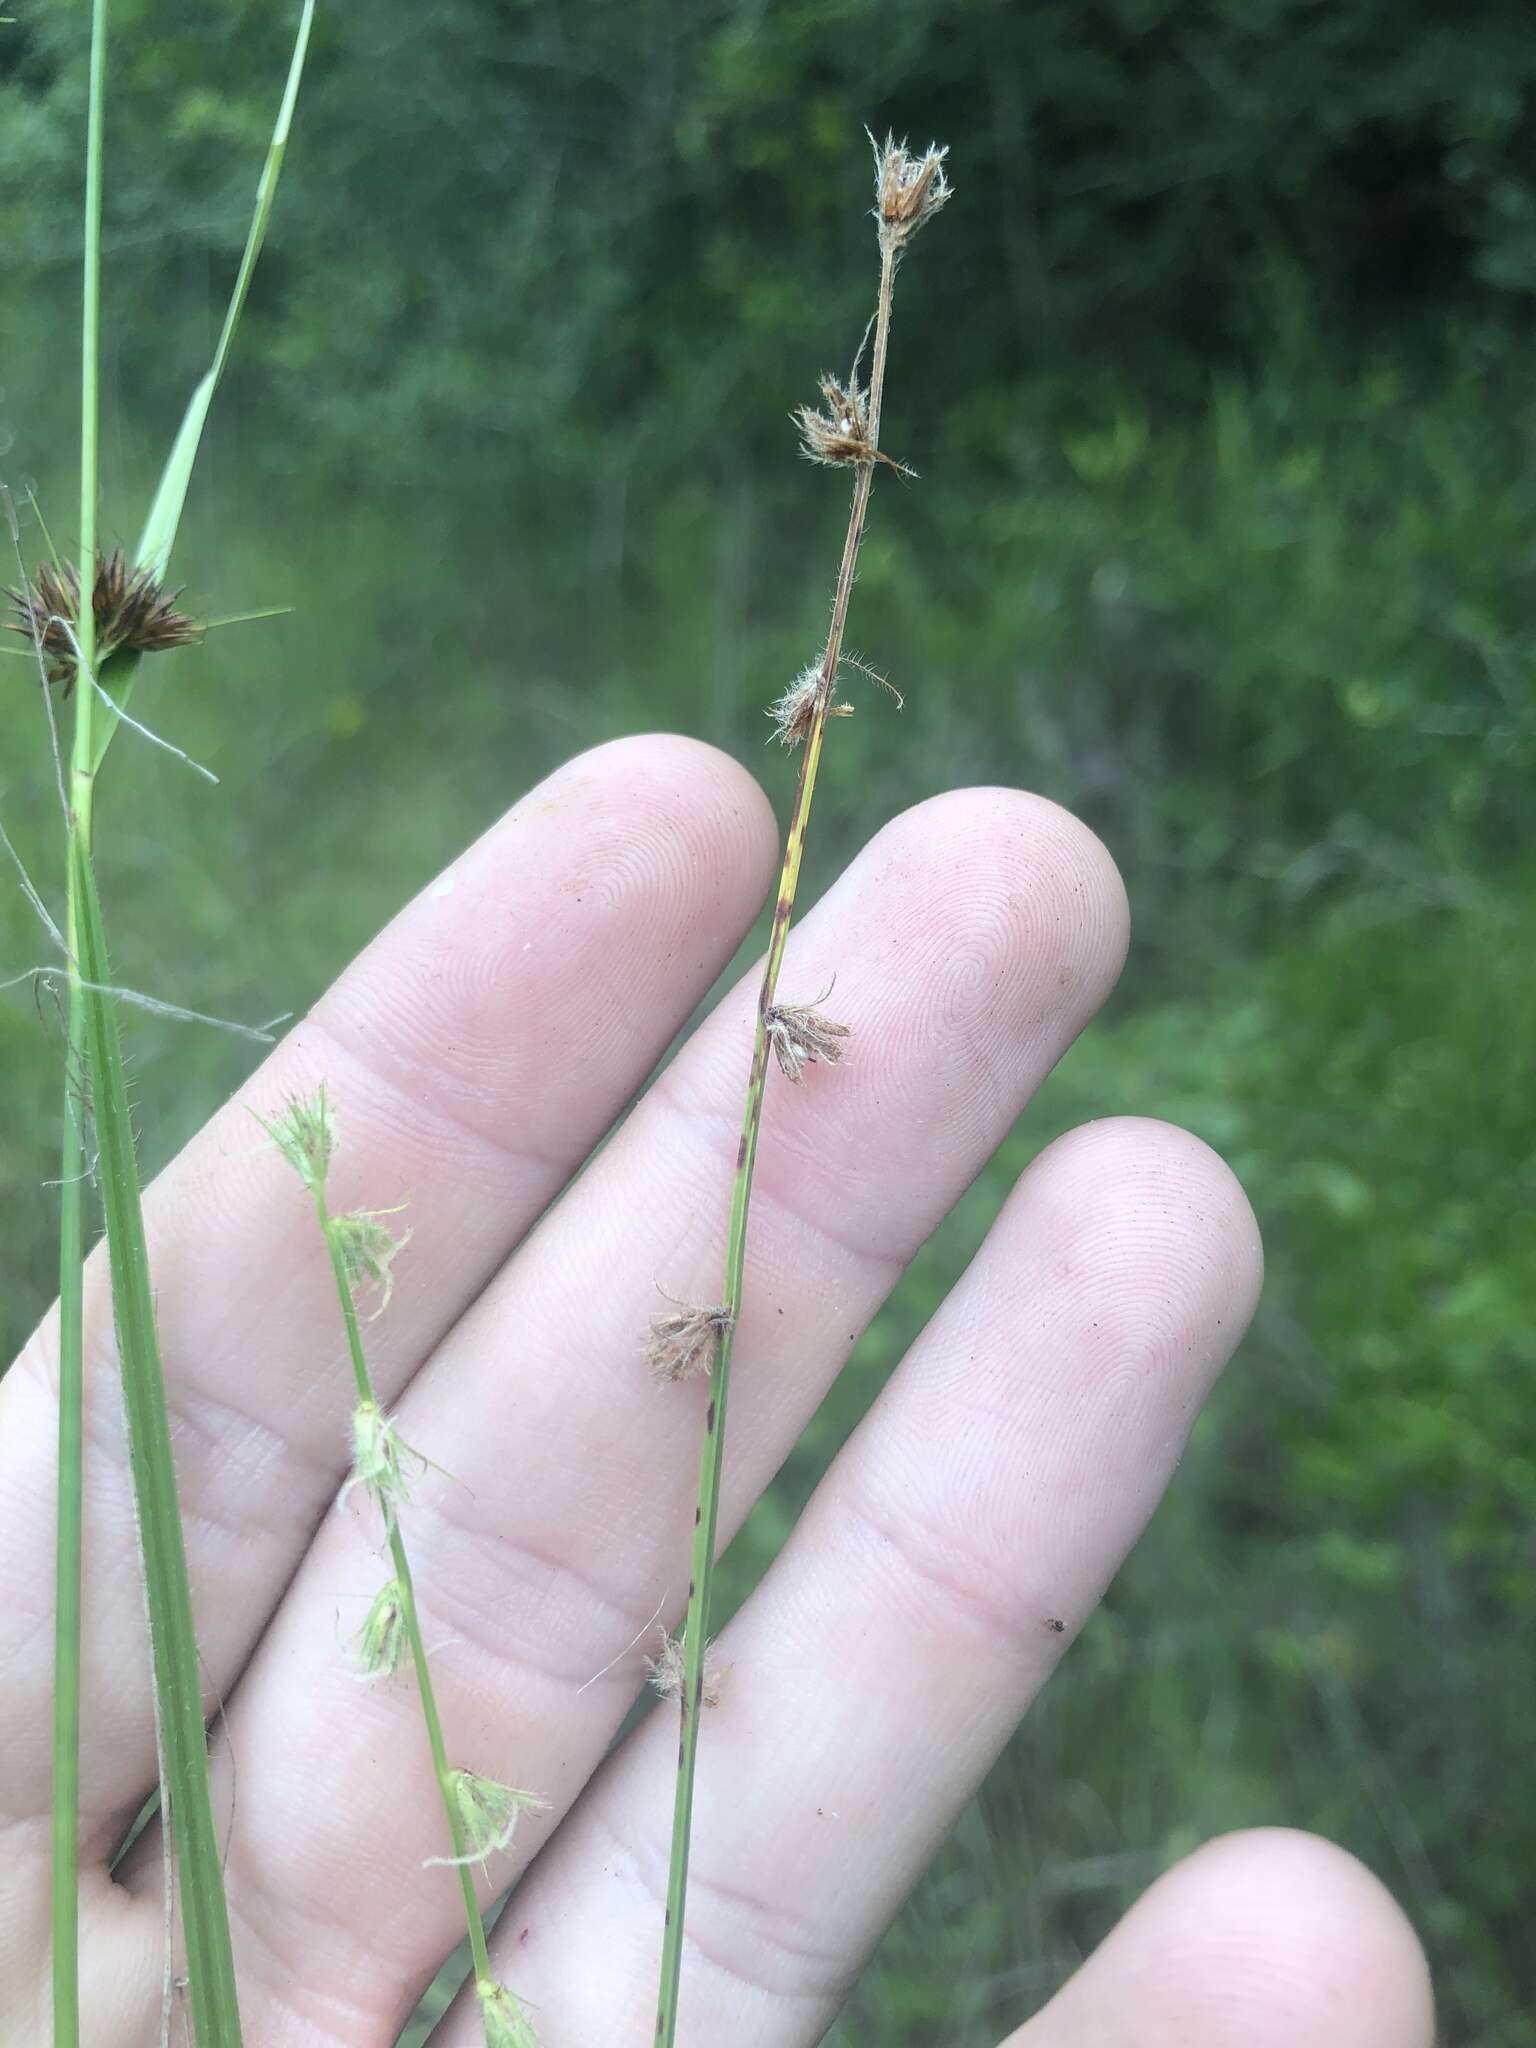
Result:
[{"x": 1056, "y": 1627}]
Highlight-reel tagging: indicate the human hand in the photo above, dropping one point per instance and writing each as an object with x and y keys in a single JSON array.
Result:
[{"x": 475, "y": 1054}]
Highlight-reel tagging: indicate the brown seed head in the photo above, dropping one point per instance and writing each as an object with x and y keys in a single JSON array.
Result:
[
  {"x": 134, "y": 614},
  {"x": 684, "y": 1342},
  {"x": 909, "y": 190},
  {"x": 800, "y": 1035}
]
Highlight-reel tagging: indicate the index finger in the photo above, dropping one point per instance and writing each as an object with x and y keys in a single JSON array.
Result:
[{"x": 477, "y": 1050}]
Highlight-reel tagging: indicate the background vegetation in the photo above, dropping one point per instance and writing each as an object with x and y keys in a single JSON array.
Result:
[{"x": 1218, "y": 378}]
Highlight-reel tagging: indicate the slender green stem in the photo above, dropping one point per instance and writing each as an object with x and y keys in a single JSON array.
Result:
[
  {"x": 65, "y": 1882},
  {"x": 65, "y": 1885},
  {"x": 188, "y": 1802},
  {"x": 473, "y": 1918},
  {"x": 712, "y": 1458}
]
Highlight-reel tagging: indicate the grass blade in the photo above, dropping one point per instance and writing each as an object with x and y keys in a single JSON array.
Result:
[
  {"x": 188, "y": 1799},
  {"x": 161, "y": 527}
]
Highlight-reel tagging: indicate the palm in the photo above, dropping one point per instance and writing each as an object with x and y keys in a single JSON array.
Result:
[{"x": 475, "y": 1054}]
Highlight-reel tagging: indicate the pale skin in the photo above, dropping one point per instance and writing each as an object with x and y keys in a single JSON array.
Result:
[{"x": 475, "y": 1053}]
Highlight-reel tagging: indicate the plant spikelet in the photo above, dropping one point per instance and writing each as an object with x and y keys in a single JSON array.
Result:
[
  {"x": 368, "y": 1248},
  {"x": 381, "y": 1647},
  {"x": 794, "y": 713},
  {"x": 800, "y": 1036},
  {"x": 909, "y": 190},
  {"x": 840, "y": 432},
  {"x": 305, "y": 1134},
  {"x": 685, "y": 1342},
  {"x": 506, "y": 2024},
  {"x": 383, "y": 1464},
  {"x": 668, "y": 1669},
  {"x": 134, "y": 614},
  {"x": 488, "y": 1813}
]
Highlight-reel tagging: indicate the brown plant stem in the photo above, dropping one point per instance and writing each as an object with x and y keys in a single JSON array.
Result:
[{"x": 706, "y": 1517}]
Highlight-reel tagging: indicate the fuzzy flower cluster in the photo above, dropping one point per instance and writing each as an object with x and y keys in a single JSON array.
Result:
[
  {"x": 488, "y": 1813},
  {"x": 669, "y": 1667},
  {"x": 305, "y": 1134},
  {"x": 686, "y": 1341},
  {"x": 800, "y": 1036},
  {"x": 794, "y": 713},
  {"x": 368, "y": 1248},
  {"x": 384, "y": 1465},
  {"x": 134, "y": 614},
  {"x": 909, "y": 189}
]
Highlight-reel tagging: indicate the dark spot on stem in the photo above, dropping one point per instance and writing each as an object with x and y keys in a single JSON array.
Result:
[{"x": 709, "y": 1417}]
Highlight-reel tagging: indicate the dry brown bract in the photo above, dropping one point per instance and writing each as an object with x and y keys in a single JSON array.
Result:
[
  {"x": 800, "y": 1035},
  {"x": 685, "y": 1341},
  {"x": 134, "y": 614},
  {"x": 909, "y": 190}
]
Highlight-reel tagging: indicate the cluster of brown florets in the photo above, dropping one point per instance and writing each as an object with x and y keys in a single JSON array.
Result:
[
  {"x": 794, "y": 713},
  {"x": 133, "y": 611},
  {"x": 840, "y": 432},
  {"x": 800, "y": 1036},
  {"x": 909, "y": 190},
  {"x": 686, "y": 1341}
]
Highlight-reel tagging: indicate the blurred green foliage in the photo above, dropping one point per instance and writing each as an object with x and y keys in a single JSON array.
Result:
[{"x": 1218, "y": 380}]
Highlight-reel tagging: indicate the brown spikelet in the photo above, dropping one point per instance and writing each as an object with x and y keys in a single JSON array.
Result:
[
  {"x": 840, "y": 433},
  {"x": 668, "y": 1668},
  {"x": 794, "y": 713},
  {"x": 909, "y": 190},
  {"x": 684, "y": 1342},
  {"x": 800, "y": 1036},
  {"x": 133, "y": 611}
]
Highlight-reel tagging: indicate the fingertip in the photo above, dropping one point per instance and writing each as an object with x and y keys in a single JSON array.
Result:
[
  {"x": 1269, "y": 1936},
  {"x": 1310, "y": 1918},
  {"x": 671, "y": 808},
  {"x": 1056, "y": 875},
  {"x": 1150, "y": 1162},
  {"x": 684, "y": 778},
  {"x": 1160, "y": 1237}
]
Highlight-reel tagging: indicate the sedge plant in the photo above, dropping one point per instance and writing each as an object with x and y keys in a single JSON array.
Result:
[
  {"x": 692, "y": 1339},
  {"x": 481, "y": 1813},
  {"x": 89, "y": 627}
]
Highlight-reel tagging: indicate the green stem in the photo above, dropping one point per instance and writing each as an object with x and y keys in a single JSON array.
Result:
[
  {"x": 188, "y": 1805},
  {"x": 429, "y": 1714},
  {"x": 68, "y": 1569},
  {"x": 712, "y": 1457}
]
